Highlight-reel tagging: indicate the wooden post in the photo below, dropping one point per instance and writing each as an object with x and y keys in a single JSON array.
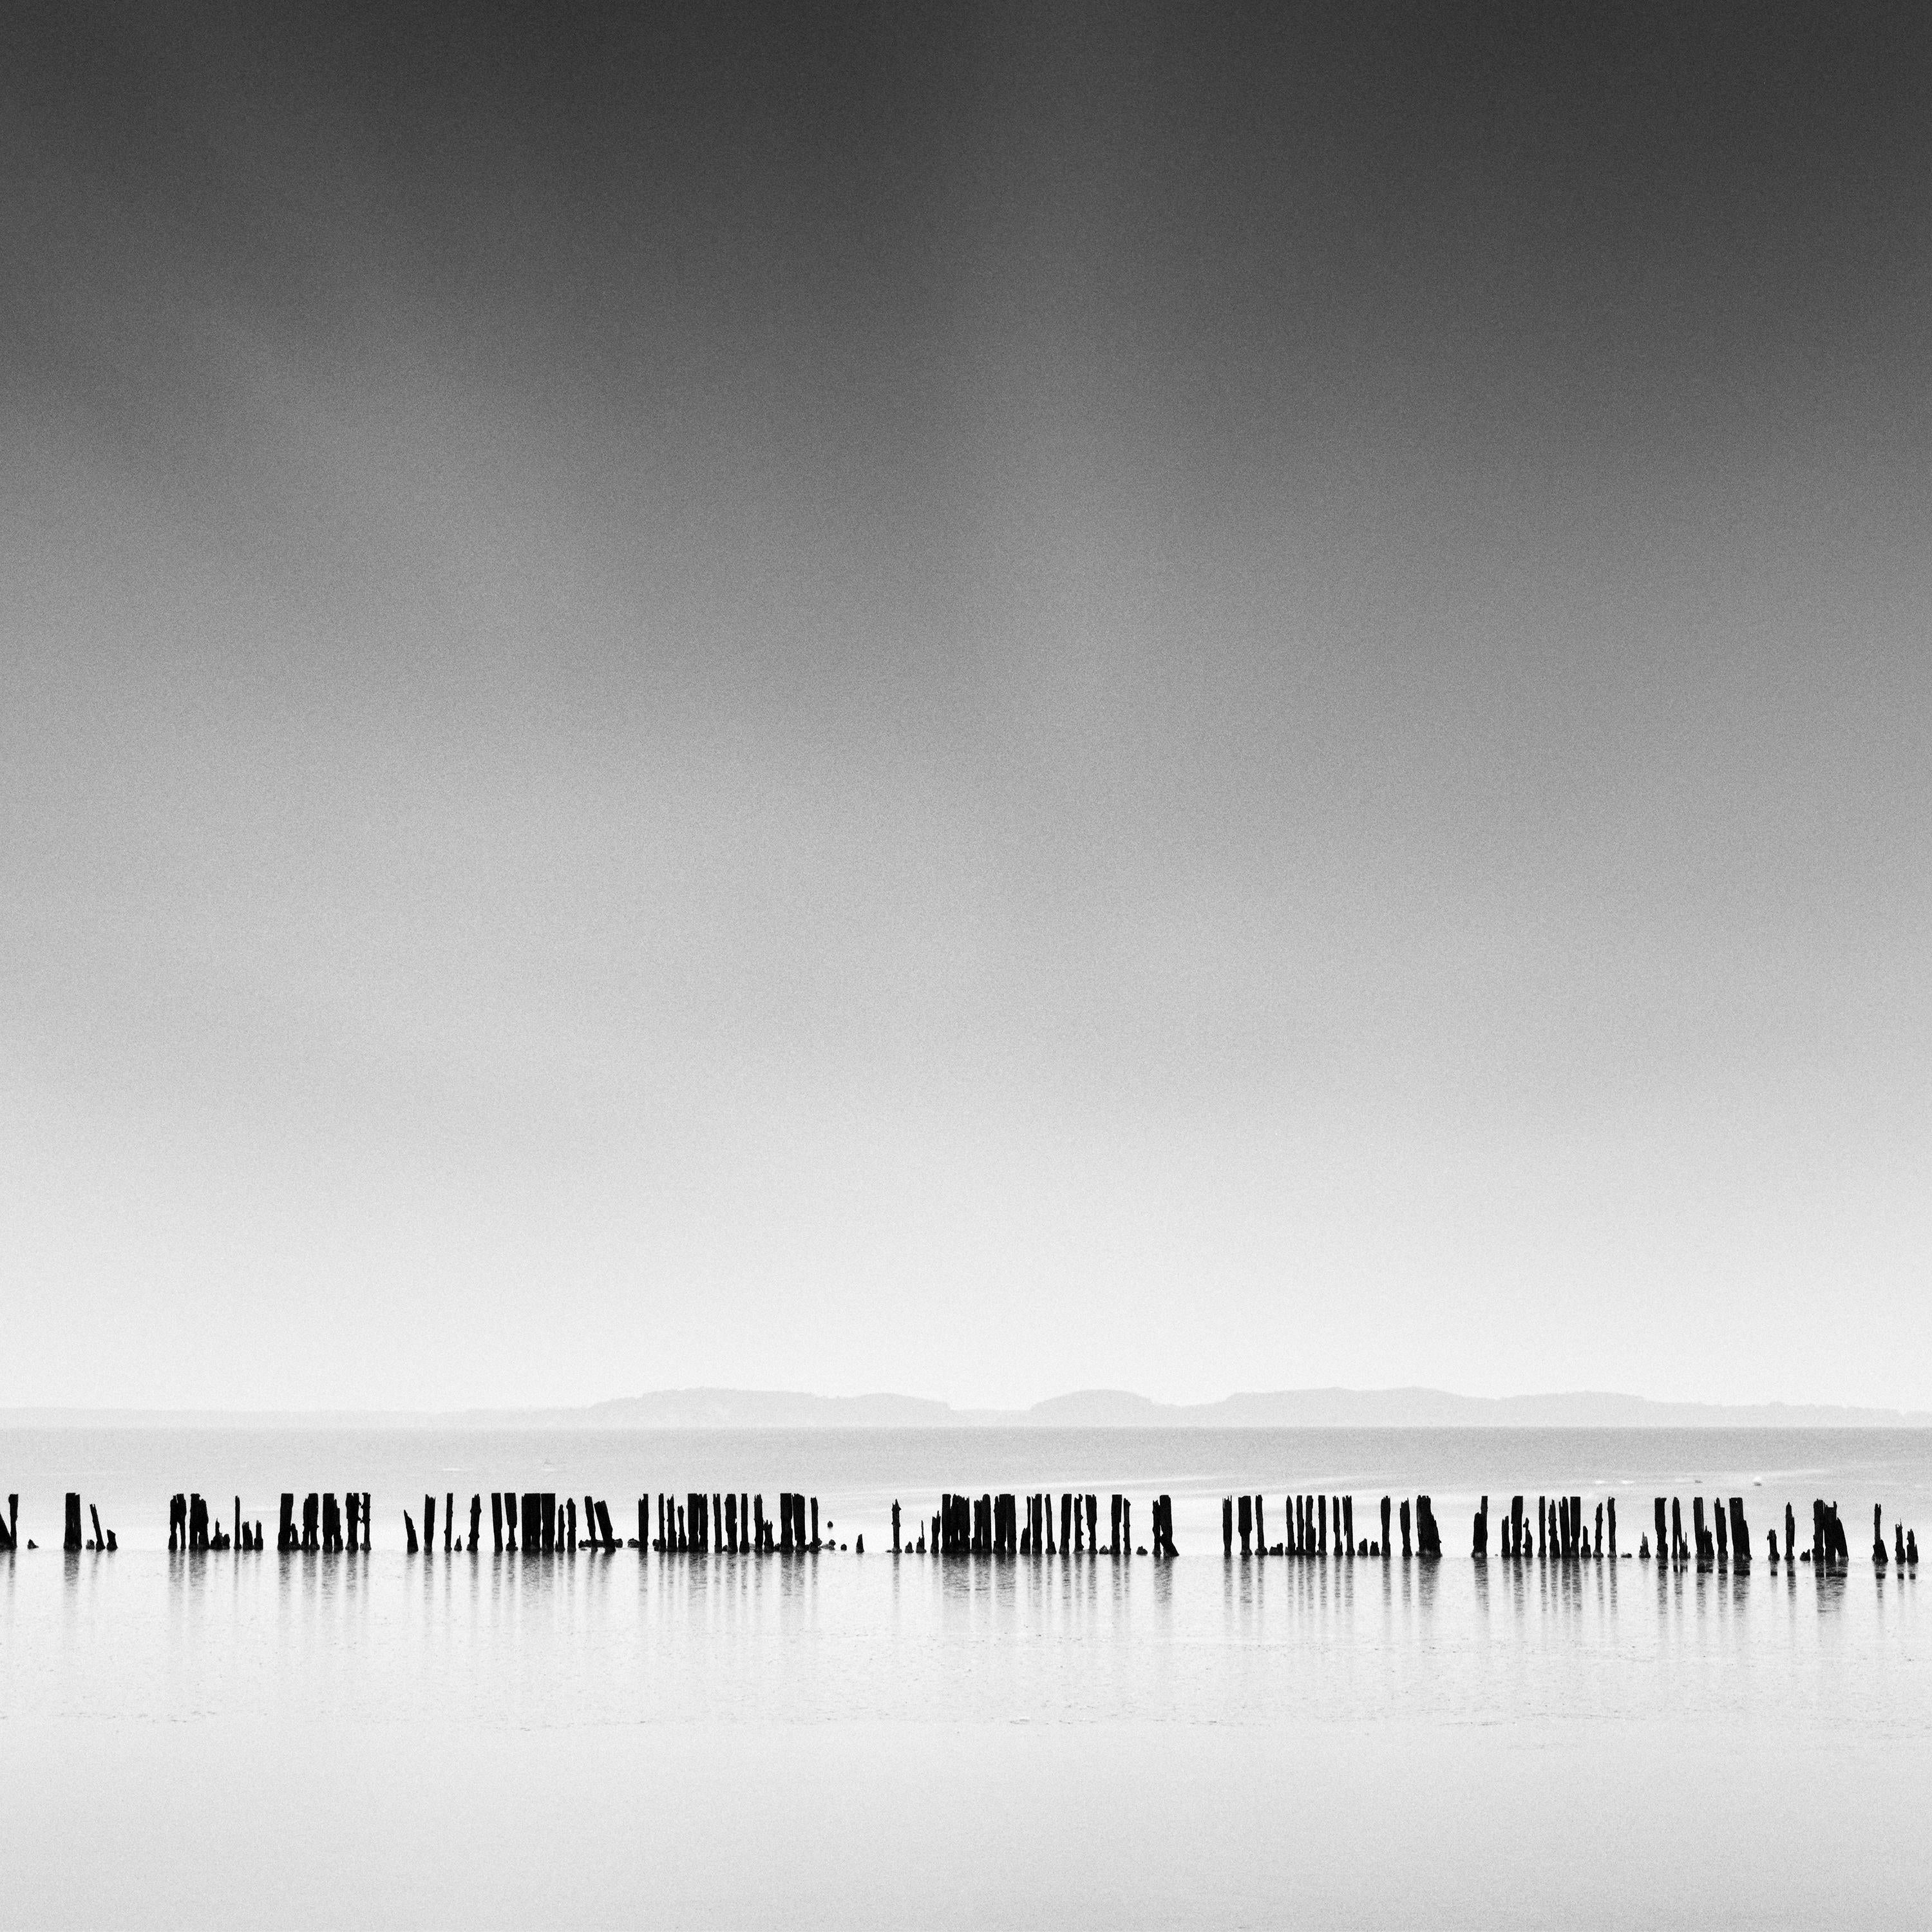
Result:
[
  {"x": 1114, "y": 1524},
  {"x": 1349, "y": 1523},
  {"x": 1479, "y": 1540},
  {"x": 1723, "y": 1532},
  {"x": 429, "y": 1524},
  {"x": 1406, "y": 1551},
  {"x": 1245, "y": 1513},
  {"x": 71, "y": 1537},
  {"x": 476, "y": 1521},
  {"x": 1126, "y": 1526},
  {"x": 497, "y": 1523},
  {"x": 409, "y": 1530},
  {"x": 1385, "y": 1529},
  {"x": 1227, "y": 1525},
  {"x": 1612, "y": 1507}
]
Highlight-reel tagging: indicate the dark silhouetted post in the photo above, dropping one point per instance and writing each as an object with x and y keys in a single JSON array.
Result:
[
  {"x": 1428, "y": 1542},
  {"x": 1740, "y": 1535},
  {"x": 409, "y": 1530},
  {"x": 1406, "y": 1551}
]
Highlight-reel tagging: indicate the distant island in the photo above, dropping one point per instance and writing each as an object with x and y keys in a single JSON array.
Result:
[{"x": 1088, "y": 1408}]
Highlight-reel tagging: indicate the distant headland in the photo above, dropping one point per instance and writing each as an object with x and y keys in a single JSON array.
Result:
[{"x": 1088, "y": 1408}]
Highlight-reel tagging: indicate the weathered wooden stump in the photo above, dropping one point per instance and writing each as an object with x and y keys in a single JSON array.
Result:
[
  {"x": 1429, "y": 1541},
  {"x": 1406, "y": 1550},
  {"x": 1740, "y": 1536},
  {"x": 409, "y": 1530}
]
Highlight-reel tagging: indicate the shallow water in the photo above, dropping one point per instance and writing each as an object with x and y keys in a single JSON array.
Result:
[{"x": 379, "y": 1740}]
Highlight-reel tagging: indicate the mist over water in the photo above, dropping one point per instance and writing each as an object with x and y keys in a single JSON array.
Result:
[{"x": 850, "y": 1740}]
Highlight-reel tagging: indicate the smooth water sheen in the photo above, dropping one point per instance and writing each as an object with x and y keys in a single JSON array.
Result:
[{"x": 844, "y": 1740}]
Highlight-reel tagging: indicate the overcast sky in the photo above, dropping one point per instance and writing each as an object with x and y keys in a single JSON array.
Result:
[{"x": 972, "y": 701}]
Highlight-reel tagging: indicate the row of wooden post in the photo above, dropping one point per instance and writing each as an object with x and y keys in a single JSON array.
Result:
[
  {"x": 990, "y": 1524},
  {"x": 1315, "y": 1526},
  {"x": 1562, "y": 1534}
]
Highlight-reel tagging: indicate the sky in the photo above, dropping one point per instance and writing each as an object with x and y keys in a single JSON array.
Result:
[{"x": 971, "y": 701}]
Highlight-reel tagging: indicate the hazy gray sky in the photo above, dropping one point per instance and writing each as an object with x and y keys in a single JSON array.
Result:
[{"x": 974, "y": 702}]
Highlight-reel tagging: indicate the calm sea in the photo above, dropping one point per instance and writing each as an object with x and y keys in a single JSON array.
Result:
[{"x": 854, "y": 1741}]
